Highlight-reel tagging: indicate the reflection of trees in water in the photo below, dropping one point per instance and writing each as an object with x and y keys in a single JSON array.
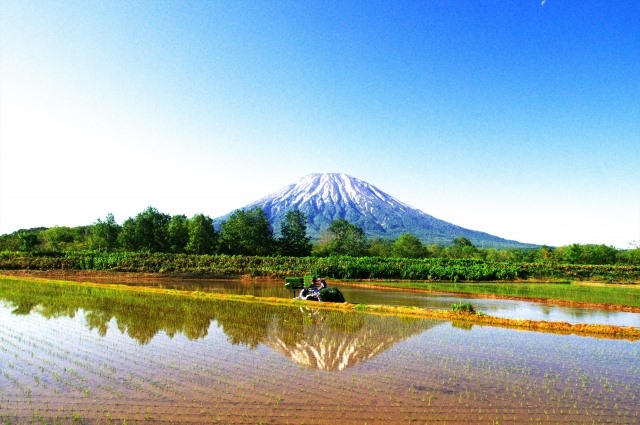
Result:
[
  {"x": 141, "y": 316},
  {"x": 313, "y": 338}
]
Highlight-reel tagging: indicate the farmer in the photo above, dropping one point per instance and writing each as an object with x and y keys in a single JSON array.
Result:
[
  {"x": 322, "y": 283},
  {"x": 317, "y": 283}
]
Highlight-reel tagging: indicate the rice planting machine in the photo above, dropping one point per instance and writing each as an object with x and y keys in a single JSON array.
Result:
[{"x": 313, "y": 288}]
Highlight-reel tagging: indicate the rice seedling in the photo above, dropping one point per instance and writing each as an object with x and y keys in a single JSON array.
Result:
[
  {"x": 212, "y": 360},
  {"x": 466, "y": 308}
]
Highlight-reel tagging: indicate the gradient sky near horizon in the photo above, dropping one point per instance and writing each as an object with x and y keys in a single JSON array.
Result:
[{"x": 517, "y": 118}]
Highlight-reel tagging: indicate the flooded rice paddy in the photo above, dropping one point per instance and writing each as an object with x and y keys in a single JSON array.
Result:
[
  {"x": 72, "y": 354},
  {"x": 505, "y": 308}
]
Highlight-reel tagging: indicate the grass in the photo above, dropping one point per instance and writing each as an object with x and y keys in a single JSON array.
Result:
[
  {"x": 169, "y": 305},
  {"x": 466, "y": 308},
  {"x": 627, "y": 296}
]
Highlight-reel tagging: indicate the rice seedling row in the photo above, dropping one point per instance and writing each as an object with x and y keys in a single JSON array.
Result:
[{"x": 286, "y": 365}]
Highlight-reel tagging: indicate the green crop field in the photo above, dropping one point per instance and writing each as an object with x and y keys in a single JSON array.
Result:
[{"x": 426, "y": 269}]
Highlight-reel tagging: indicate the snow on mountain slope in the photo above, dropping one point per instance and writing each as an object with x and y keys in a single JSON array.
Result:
[
  {"x": 327, "y": 197},
  {"x": 318, "y": 190}
]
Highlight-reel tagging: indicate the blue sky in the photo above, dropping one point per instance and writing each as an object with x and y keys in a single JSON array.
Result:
[{"x": 517, "y": 118}]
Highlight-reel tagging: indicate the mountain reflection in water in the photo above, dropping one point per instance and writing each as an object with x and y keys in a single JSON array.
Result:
[
  {"x": 331, "y": 340},
  {"x": 327, "y": 340}
]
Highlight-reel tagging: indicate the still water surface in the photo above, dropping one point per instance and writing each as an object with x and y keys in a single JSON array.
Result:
[
  {"x": 93, "y": 355},
  {"x": 510, "y": 309}
]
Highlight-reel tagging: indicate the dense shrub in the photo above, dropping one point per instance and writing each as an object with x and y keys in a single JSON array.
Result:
[{"x": 339, "y": 267}]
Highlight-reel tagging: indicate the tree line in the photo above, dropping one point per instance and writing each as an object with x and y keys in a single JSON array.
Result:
[
  {"x": 249, "y": 232},
  {"x": 243, "y": 233}
]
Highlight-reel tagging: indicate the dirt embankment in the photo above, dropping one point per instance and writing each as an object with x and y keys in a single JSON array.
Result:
[
  {"x": 107, "y": 277},
  {"x": 107, "y": 280},
  {"x": 552, "y": 301},
  {"x": 124, "y": 277}
]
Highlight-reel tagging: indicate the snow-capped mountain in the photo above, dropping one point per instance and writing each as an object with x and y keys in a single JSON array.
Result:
[{"x": 327, "y": 197}]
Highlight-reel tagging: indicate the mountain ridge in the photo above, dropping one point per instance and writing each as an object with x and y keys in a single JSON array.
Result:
[{"x": 325, "y": 197}]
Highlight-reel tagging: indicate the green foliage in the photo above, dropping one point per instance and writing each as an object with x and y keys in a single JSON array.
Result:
[
  {"x": 379, "y": 247},
  {"x": 250, "y": 233},
  {"x": 247, "y": 233},
  {"x": 148, "y": 231},
  {"x": 435, "y": 251},
  {"x": 9, "y": 242},
  {"x": 294, "y": 240},
  {"x": 178, "y": 233},
  {"x": 589, "y": 254},
  {"x": 59, "y": 238},
  {"x": 104, "y": 234},
  {"x": 629, "y": 256},
  {"x": 466, "y": 308},
  {"x": 408, "y": 246},
  {"x": 462, "y": 248},
  {"x": 344, "y": 238},
  {"x": 202, "y": 236},
  {"x": 27, "y": 241},
  {"x": 336, "y": 267}
]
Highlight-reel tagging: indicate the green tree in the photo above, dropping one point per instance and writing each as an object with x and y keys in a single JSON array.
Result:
[
  {"x": 630, "y": 256},
  {"x": 379, "y": 247},
  {"x": 294, "y": 240},
  {"x": 462, "y": 248},
  {"x": 435, "y": 251},
  {"x": 408, "y": 246},
  {"x": 247, "y": 233},
  {"x": 178, "y": 233},
  {"x": 127, "y": 238},
  {"x": 344, "y": 238},
  {"x": 104, "y": 234},
  {"x": 202, "y": 236},
  {"x": 590, "y": 254},
  {"x": 27, "y": 241},
  {"x": 545, "y": 254},
  {"x": 58, "y": 238},
  {"x": 9, "y": 242},
  {"x": 148, "y": 231}
]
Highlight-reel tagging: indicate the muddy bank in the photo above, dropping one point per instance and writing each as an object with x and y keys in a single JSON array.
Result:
[
  {"x": 128, "y": 277},
  {"x": 593, "y": 330},
  {"x": 552, "y": 301}
]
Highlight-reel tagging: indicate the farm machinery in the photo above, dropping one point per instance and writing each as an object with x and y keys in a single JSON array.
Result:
[{"x": 313, "y": 288}]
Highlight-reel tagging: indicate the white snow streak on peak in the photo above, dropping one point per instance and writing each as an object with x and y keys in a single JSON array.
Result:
[{"x": 331, "y": 188}]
